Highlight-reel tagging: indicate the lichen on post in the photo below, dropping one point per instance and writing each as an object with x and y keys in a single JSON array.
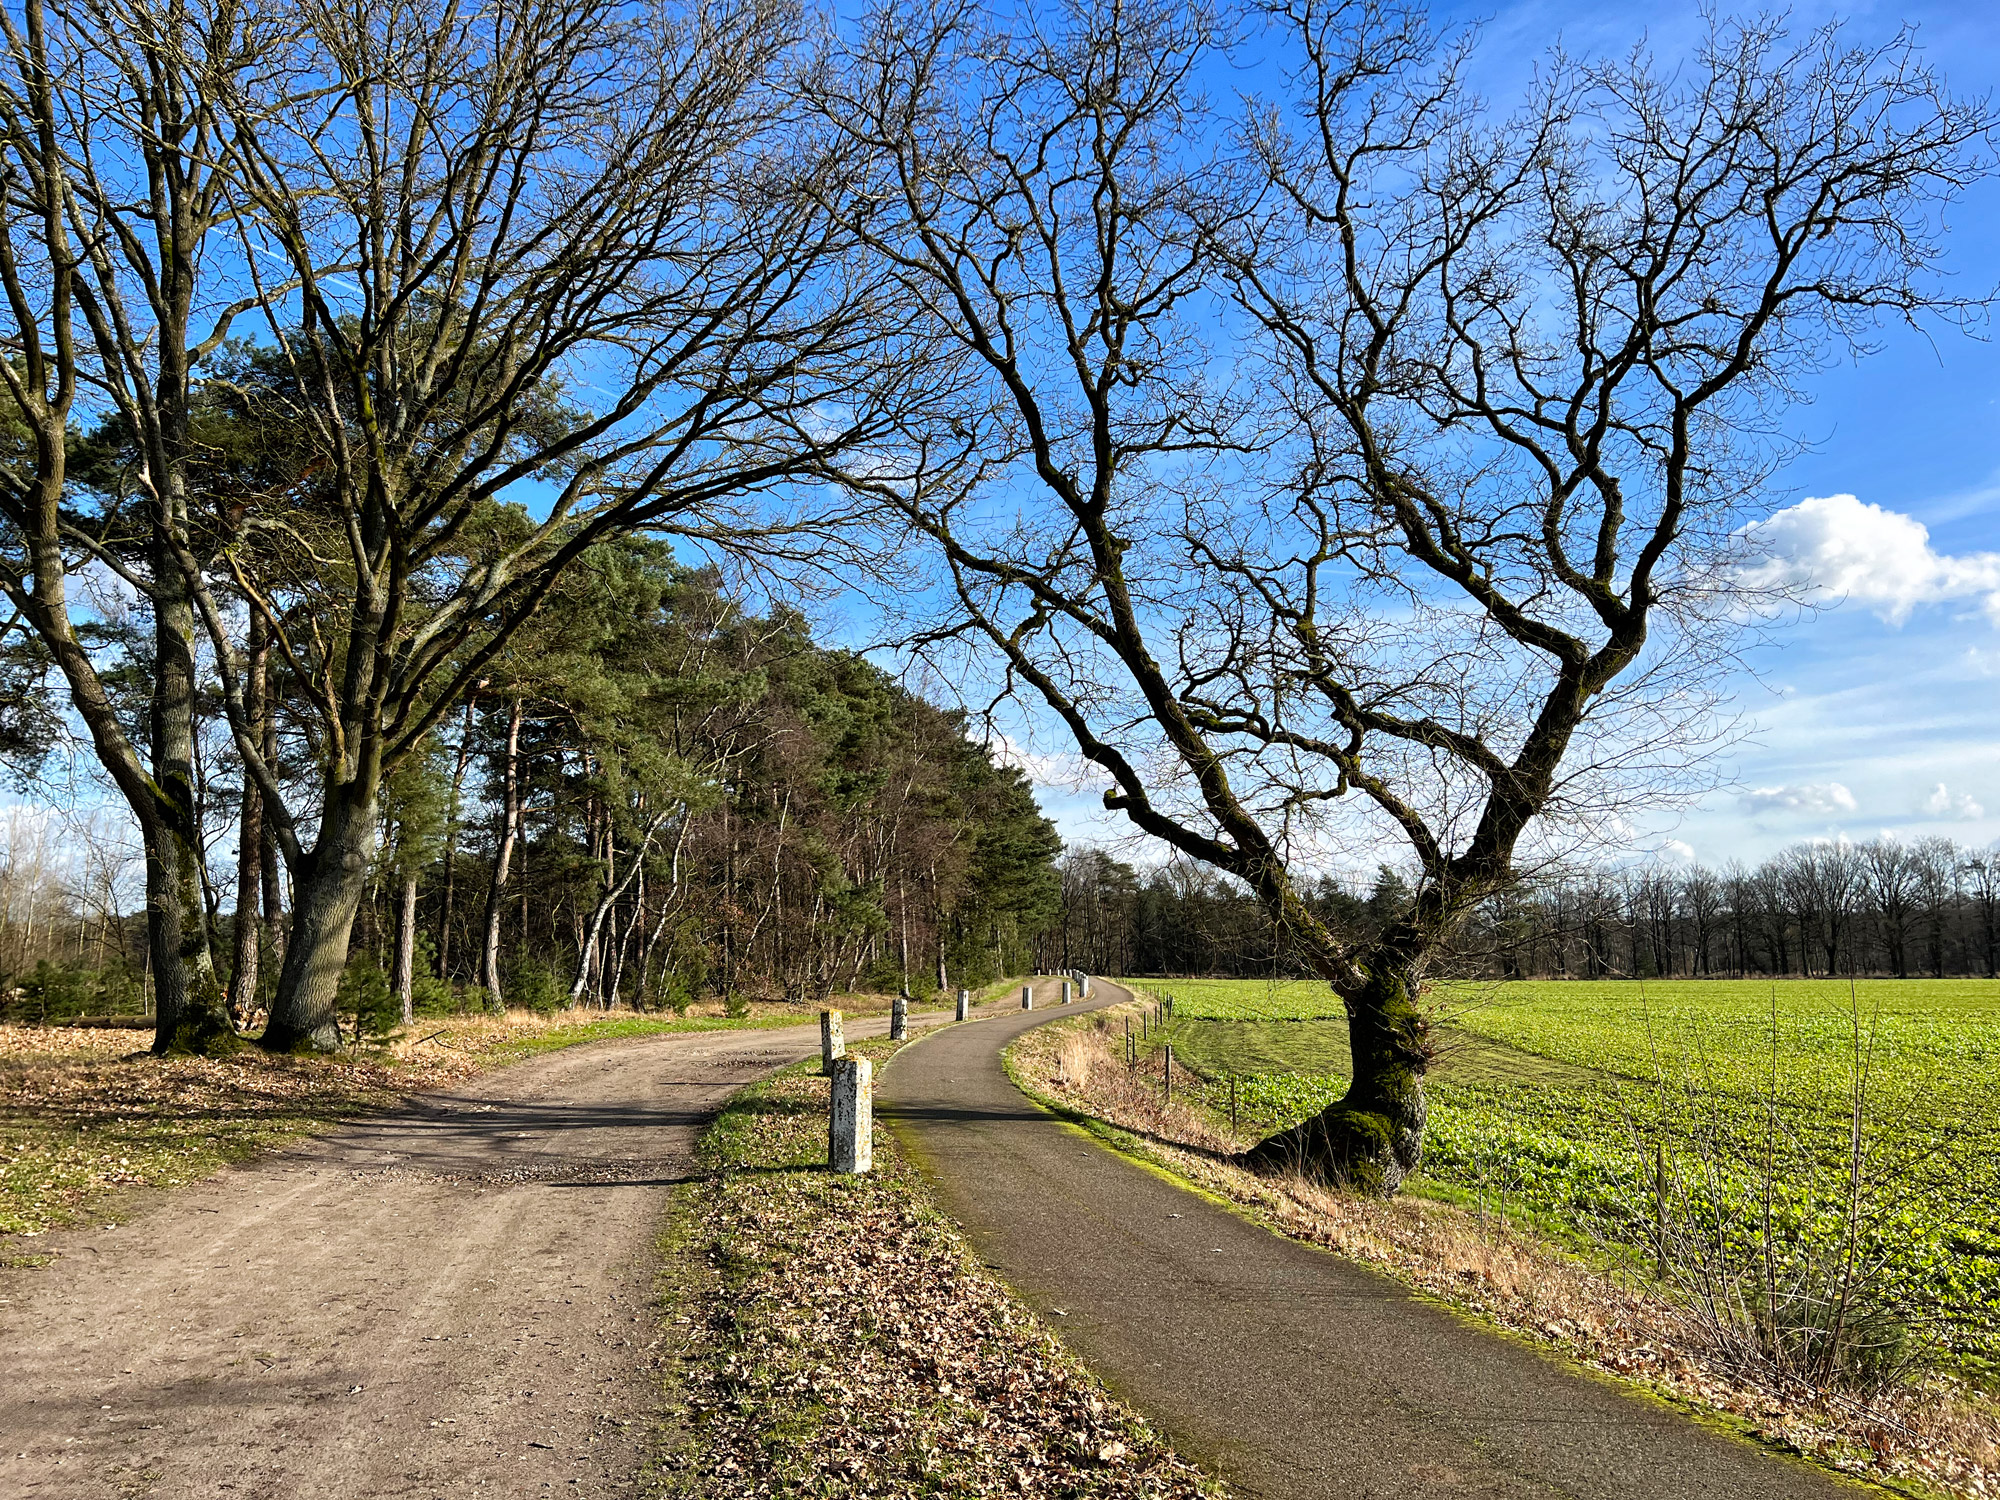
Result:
[
  {"x": 832, "y": 1041},
  {"x": 851, "y": 1117}
]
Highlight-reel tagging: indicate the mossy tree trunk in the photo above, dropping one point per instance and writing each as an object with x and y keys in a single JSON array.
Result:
[{"x": 1373, "y": 1136}]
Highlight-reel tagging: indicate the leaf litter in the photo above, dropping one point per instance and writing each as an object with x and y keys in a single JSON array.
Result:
[{"x": 842, "y": 1339}]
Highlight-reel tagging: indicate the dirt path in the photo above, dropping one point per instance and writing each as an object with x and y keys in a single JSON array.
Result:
[
  {"x": 1290, "y": 1371},
  {"x": 452, "y": 1300}
]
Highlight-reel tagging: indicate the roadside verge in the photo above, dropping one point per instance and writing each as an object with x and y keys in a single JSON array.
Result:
[
  {"x": 1924, "y": 1440},
  {"x": 836, "y": 1335}
]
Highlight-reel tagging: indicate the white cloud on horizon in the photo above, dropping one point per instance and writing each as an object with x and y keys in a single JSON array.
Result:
[
  {"x": 1960, "y": 807},
  {"x": 1835, "y": 547},
  {"x": 1825, "y": 798}
]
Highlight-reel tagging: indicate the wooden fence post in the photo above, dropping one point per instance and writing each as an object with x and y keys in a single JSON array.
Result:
[
  {"x": 851, "y": 1120},
  {"x": 1167, "y": 1077},
  {"x": 832, "y": 1041}
]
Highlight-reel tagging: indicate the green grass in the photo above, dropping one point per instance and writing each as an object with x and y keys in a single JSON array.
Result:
[
  {"x": 612, "y": 1028},
  {"x": 1561, "y": 1100},
  {"x": 1249, "y": 999}
]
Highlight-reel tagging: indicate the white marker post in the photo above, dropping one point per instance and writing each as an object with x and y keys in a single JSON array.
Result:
[
  {"x": 1027, "y": 997},
  {"x": 850, "y": 1145},
  {"x": 964, "y": 1004},
  {"x": 832, "y": 1041},
  {"x": 899, "y": 1018},
  {"x": 1065, "y": 992}
]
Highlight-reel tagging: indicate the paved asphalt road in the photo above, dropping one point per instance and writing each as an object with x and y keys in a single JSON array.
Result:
[
  {"x": 452, "y": 1300},
  {"x": 1293, "y": 1372}
]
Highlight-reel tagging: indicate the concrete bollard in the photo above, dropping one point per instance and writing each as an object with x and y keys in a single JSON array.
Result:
[
  {"x": 1027, "y": 997},
  {"x": 850, "y": 1145},
  {"x": 1065, "y": 992},
  {"x": 964, "y": 1004},
  {"x": 899, "y": 1019},
  {"x": 832, "y": 1041}
]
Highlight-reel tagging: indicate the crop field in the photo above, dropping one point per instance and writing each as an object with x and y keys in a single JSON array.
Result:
[{"x": 1852, "y": 1134}]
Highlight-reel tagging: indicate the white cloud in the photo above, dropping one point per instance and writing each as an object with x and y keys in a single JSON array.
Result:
[
  {"x": 1674, "y": 852},
  {"x": 1835, "y": 547},
  {"x": 1060, "y": 771},
  {"x": 1945, "y": 803},
  {"x": 1825, "y": 798}
]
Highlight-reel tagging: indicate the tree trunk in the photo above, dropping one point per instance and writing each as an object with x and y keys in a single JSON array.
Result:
[
  {"x": 326, "y": 897},
  {"x": 192, "y": 1010},
  {"x": 1372, "y": 1138},
  {"x": 250, "y": 838},
  {"x": 445, "y": 907},
  {"x": 406, "y": 948},
  {"x": 272, "y": 878},
  {"x": 503, "y": 859}
]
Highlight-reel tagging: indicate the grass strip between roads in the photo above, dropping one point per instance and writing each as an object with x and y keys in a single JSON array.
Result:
[
  {"x": 1925, "y": 1440},
  {"x": 837, "y": 1337}
]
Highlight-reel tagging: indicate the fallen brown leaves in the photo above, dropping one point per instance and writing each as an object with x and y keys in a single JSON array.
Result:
[
  {"x": 1935, "y": 1432},
  {"x": 844, "y": 1342}
]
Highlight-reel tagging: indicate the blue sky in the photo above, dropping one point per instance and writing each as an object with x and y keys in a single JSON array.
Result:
[
  {"x": 1861, "y": 712},
  {"x": 1880, "y": 712}
]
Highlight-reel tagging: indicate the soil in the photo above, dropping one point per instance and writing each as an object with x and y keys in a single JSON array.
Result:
[{"x": 454, "y": 1299}]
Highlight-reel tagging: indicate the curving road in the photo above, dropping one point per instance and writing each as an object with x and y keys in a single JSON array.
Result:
[
  {"x": 1292, "y": 1372},
  {"x": 456, "y": 1299}
]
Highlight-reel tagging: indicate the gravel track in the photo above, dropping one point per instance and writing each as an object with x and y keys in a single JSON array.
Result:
[{"x": 453, "y": 1299}]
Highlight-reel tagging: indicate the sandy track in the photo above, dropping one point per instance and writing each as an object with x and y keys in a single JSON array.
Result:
[{"x": 451, "y": 1300}]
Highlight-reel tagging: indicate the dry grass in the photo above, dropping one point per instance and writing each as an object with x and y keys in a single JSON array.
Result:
[{"x": 1611, "y": 1320}]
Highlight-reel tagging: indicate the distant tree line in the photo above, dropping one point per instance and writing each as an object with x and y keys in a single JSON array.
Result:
[
  {"x": 1923, "y": 907},
  {"x": 1907, "y": 909}
]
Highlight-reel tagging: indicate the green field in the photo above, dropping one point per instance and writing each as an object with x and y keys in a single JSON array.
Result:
[{"x": 1851, "y": 1134}]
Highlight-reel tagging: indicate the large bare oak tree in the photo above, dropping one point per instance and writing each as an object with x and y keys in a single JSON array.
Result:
[
  {"x": 112, "y": 193},
  {"x": 548, "y": 272},
  {"x": 1366, "y": 475}
]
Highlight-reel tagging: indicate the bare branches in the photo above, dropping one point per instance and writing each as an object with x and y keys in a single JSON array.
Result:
[{"x": 1366, "y": 473}]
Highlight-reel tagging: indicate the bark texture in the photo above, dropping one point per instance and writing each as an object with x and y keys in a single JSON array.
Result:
[{"x": 1372, "y": 1138}]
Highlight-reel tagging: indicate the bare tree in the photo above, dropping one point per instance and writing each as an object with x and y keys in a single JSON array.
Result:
[
  {"x": 543, "y": 274},
  {"x": 112, "y": 194},
  {"x": 1891, "y": 888},
  {"x": 1982, "y": 872},
  {"x": 1451, "y": 570},
  {"x": 1703, "y": 900}
]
